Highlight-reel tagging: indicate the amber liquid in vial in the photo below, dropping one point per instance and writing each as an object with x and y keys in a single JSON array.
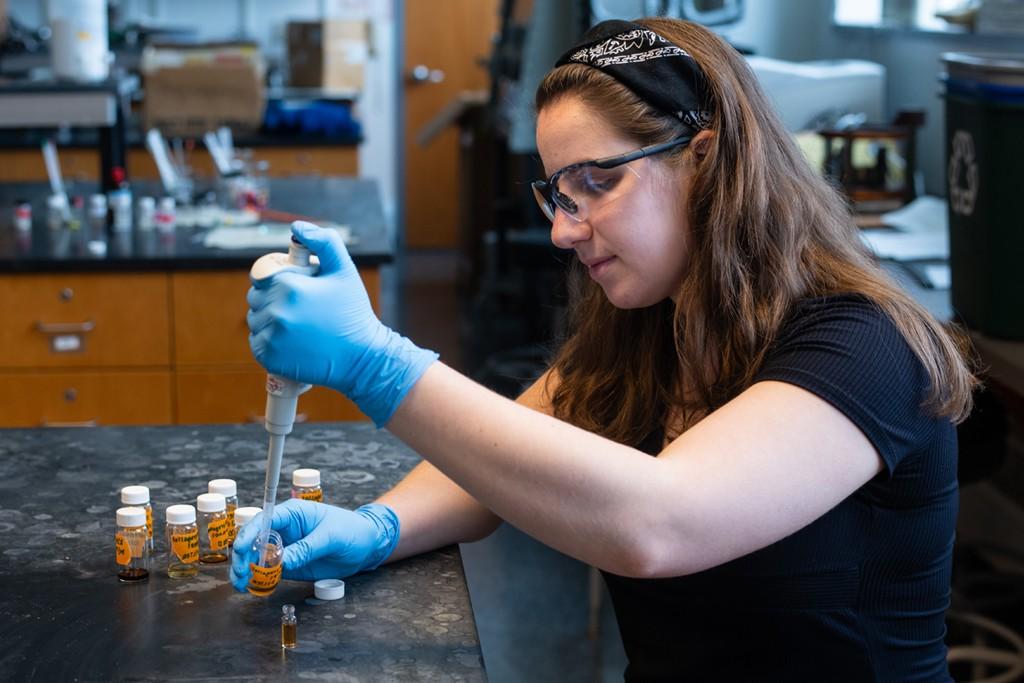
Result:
[
  {"x": 133, "y": 574},
  {"x": 213, "y": 557},
  {"x": 180, "y": 570},
  {"x": 288, "y": 636},
  {"x": 274, "y": 555}
]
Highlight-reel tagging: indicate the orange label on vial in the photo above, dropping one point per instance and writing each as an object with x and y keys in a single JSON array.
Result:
[
  {"x": 186, "y": 546},
  {"x": 124, "y": 551},
  {"x": 219, "y": 531},
  {"x": 149, "y": 521},
  {"x": 315, "y": 494},
  {"x": 264, "y": 578},
  {"x": 231, "y": 523}
]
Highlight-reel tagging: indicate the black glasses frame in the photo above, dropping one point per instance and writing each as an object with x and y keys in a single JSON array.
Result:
[{"x": 545, "y": 189}]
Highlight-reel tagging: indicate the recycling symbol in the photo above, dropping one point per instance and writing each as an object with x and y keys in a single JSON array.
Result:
[{"x": 963, "y": 185}]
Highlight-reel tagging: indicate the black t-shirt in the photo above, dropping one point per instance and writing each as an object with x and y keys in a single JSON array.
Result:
[{"x": 859, "y": 594}]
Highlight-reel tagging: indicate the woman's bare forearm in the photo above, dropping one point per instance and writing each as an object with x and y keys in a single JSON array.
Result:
[{"x": 434, "y": 512}]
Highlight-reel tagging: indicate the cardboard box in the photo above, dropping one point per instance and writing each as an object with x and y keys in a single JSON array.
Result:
[
  {"x": 192, "y": 89},
  {"x": 328, "y": 54}
]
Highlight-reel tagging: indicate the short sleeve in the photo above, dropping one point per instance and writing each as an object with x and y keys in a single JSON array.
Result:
[{"x": 847, "y": 351}]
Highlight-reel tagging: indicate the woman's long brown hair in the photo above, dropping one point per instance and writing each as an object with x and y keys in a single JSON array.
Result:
[{"x": 767, "y": 231}]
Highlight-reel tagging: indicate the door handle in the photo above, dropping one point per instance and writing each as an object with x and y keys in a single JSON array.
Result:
[
  {"x": 421, "y": 73},
  {"x": 65, "y": 328},
  {"x": 83, "y": 423}
]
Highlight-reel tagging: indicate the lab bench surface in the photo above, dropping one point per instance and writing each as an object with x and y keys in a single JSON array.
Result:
[
  {"x": 352, "y": 202},
  {"x": 65, "y": 616}
]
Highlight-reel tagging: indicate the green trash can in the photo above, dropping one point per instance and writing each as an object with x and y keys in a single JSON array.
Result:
[{"x": 984, "y": 96}]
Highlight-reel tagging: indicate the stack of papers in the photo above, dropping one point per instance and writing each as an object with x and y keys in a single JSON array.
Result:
[
  {"x": 917, "y": 232},
  {"x": 264, "y": 236}
]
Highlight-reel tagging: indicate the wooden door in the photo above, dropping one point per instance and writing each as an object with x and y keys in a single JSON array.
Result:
[{"x": 453, "y": 38}]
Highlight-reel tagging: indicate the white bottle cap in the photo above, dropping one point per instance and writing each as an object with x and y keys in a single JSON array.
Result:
[
  {"x": 135, "y": 495},
  {"x": 306, "y": 478},
  {"x": 98, "y": 202},
  {"x": 211, "y": 502},
  {"x": 147, "y": 203},
  {"x": 167, "y": 203},
  {"x": 181, "y": 514},
  {"x": 244, "y": 515},
  {"x": 131, "y": 517},
  {"x": 225, "y": 487},
  {"x": 329, "y": 589}
]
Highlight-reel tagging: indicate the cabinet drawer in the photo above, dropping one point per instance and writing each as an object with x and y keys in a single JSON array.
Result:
[
  {"x": 209, "y": 315},
  {"x": 85, "y": 398},
  {"x": 299, "y": 161},
  {"x": 232, "y": 396},
  {"x": 84, "y": 320}
]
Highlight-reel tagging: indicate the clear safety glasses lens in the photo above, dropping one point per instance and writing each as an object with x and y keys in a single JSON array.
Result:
[{"x": 580, "y": 190}]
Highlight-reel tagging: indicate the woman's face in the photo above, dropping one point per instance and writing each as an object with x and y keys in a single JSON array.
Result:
[{"x": 634, "y": 245}]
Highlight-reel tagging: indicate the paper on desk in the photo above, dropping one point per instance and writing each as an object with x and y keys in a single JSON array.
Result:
[
  {"x": 939, "y": 276},
  {"x": 924, "y": 214},
  {"x": 906, "y": 246},
  {"x": 919, "y": 231},
  {"x": 265, "y": 236}
]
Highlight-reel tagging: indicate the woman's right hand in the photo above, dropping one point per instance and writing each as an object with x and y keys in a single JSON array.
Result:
[{"x": 321, "y": 541}]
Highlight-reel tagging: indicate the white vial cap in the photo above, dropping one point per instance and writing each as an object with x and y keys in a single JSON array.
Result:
[
  {"x": 135, "y": 495},
  {"x": 167, "y": 203},
  {"x": 147, "y": 203},
  {"x": 131, "y": 517},
  {"x": 211, "y": 502},
  {"x": 244, "y": 515},
  {"x": 306, "y": 478},
  {"x": 181, "y": 514},
  {"x": 225, "y": 487},
  {"x": 329, "y": 589}
]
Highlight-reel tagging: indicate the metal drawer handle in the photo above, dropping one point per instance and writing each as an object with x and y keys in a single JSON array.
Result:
[
  {"x": 83, "y": 423},
  {"x": 65, "y": 328}
]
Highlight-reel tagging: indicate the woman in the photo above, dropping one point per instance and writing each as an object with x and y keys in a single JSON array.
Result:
[{"x": 797, "y": 520}]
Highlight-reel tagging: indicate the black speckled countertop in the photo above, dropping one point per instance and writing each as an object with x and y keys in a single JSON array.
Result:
[
  {"x": 64, "y": 616},
  {"x": 353, "y": 202}
]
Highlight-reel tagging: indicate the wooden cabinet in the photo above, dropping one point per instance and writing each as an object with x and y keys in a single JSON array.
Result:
[
  {"x": 83, "y": 164},
  {"x": 138, "y": 348},
  {"x": 238, "y": 394},
  {"x": 84, "y": 320},
  {"x": 216, "y": 378},
  {"x": 86, "y": 398}
]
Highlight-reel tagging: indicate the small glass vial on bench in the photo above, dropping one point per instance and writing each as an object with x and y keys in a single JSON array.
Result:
[
  {"x": 214, "y": 528},
  {"x": 266, "y": 567},
  {"x": 138, "y": 496},
  {"x": 243, "y": 516},
  {"x": 183, "y": 542},
  {"x": 306, "y": 485},
  {"x": 228, "y": 489},
  {"x": 131, "y": 545},
  {"x": 288, "y": 626}
]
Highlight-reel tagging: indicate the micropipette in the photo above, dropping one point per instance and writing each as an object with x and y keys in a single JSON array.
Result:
[{"x": 282, "y": 393}]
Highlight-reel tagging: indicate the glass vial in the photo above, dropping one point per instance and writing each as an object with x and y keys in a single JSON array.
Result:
[
  {"x": 214, "y": 529},
  {"x": 131, "y": 545},
  {"x": 306, "y": 485},
  {"x": 228, "y": 489},
  {"x": 266, "y": 569},
  {"x": 288, "y": 626},
  {"x": 183, "y": 541},
  {"x": 138, "y": 496},
  {"x": 243, "y": 516}
]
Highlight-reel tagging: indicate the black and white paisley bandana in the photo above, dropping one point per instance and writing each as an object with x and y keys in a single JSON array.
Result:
[{"x": 660, "y": 72}]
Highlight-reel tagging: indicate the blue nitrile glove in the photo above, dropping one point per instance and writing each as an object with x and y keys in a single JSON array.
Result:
[
  {"x": 320, "y": 541},
  {"x": 322, "y": 330}
]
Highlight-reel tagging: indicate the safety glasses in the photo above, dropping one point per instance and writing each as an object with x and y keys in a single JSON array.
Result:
[{"x": 579, "y": 189}]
